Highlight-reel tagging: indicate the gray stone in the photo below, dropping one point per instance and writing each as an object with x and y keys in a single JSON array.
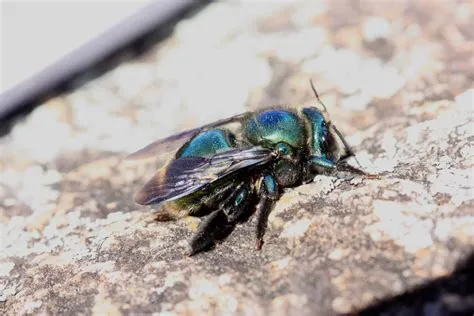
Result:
[{"x": 73, "y": 241}]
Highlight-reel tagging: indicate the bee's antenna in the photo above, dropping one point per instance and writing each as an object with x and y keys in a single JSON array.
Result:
[
  {"x": 355, "y": 158},
  {"x": 349, "y": 151},
  {"x": 317, "y": 95},
  {"x": 352, "y": 154}
]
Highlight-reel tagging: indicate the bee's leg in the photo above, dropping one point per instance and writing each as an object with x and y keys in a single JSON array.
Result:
[
  {"x": 268, "y": 195},
  {"x": 204, "y": 237},
  {"x": 221, "y": 222},
  {"x": 237, "y": 204},
  {"x": 322, "y": 162},
  {"x": 343, "y": 166}
]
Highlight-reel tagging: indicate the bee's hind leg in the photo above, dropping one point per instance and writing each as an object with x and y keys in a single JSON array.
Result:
[
  {"x": 204, "y": 238},
  {"x": 221, "y": 222}
]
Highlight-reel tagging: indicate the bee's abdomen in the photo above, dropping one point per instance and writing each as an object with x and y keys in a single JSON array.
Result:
[{"x": 207, "y": 144}]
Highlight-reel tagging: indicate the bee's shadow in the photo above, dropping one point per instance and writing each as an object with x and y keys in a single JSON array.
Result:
[
  {"x": 221, "y": 229},
  {"x": 448, "y": 295}
]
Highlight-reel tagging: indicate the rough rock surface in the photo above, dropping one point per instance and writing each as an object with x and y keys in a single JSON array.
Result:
[{"x": 397, "y": 79}]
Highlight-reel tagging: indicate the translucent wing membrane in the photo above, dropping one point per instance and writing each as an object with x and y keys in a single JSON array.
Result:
[
  {"x": 190, "y": 174},
  {"x": 173, "y": 142}
]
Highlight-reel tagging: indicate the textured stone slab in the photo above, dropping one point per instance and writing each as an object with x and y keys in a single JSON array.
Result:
[{"x": 397, "y": 79}]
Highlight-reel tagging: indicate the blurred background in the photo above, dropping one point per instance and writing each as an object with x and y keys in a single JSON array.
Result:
[
  {"x": 79, "y": 36},
  {"x": 37, "y": 34},
  {"x": 84, "y": 83}
]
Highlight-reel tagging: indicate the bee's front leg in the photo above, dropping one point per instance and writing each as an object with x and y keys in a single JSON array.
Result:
[
  {"x": 322, "y": 162},
  {"x": 343, "y": 166}
]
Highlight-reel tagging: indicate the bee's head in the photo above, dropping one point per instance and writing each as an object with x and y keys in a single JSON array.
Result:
[
  {"x": 322, "y": 141},
  {"x": 325, "y": 140}
]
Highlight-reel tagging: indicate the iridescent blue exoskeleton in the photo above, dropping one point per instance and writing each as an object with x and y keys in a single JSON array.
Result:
[{"x": 225, "y": 177}]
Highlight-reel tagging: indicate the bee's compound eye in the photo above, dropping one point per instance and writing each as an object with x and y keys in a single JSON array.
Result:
[
  {"x": 324, "y": 138},
  {"x": 283, "y": 149}
]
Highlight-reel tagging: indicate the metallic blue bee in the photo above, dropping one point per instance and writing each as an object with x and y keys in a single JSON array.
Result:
[{"x": 227, "y": 178}]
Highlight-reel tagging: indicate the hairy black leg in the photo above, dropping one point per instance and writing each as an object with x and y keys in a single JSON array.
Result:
[
  {"x": 222, "y": 221},
  {"x": 237, "y": 209},
  {"x": 268, "y": 196},
  {"x": 203, "y": 239}
]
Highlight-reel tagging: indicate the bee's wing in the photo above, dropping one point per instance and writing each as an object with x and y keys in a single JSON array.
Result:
[
  {"x": 173, "y": 142},
  {"x": 186, "y": 175}
]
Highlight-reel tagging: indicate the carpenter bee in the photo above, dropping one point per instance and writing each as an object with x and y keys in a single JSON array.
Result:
[{"x": 226, "y": 179}]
